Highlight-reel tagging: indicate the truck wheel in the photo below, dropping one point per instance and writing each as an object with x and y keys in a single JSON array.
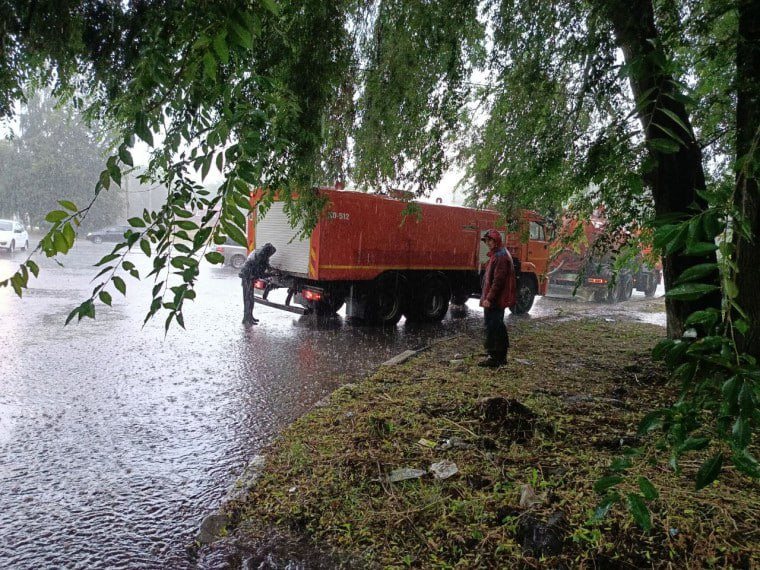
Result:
[
  {"x": 385, "y": 302},
  {"x": 431, "y": 302},
  {"x": 459, "y": 297},
  {"x": 651, "y": 287},
  {"x": 625, "y": 289},
  {"x": 526, "y": 294},
  {"x": 329, "y": 307}
]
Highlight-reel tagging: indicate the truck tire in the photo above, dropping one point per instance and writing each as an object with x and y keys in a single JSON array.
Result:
[
  {"x": 625, "y": 290},
  {"x": 430, "y": 303},
  {"x": 385, "y": 301},
  {"x": 459, "y": 297},
  {"x": 328, "y": 307},
  {"x": 651, "y": 287},
  {"x": 526, "y": 294}
]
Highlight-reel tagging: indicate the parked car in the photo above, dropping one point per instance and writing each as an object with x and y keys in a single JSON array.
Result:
[
  {"x": 13, "y": 236},
  {"x": 234, "y": 253},
  {"x": 113, "y": 234}
]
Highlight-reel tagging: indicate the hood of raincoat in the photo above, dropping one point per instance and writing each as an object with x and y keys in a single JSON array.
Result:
[{"x": 496, "y": 236}]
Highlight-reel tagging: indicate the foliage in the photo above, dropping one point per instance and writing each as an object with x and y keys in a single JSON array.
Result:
[
  {"x": 54, "y": 156},
  {"x": 718, "y": 410}
]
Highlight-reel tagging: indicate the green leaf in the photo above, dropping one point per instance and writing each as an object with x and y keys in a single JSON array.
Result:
[
  {"x": 125, "y": 156},
  {"x": 604, "y": 506},
  {"x": 709, "y": 471},
  {"x": 707, "y": 317},
  {"x": 56, "y": 216},
  {"x": 745, "y": 462},
  {"x": 33, "y": 267},
  {"x": 647, "y": 489},
  {"x": 118, "y": 282},
  {"x": 234, "y": 233},
  {"x": 742, "y": 433},
  {"x": 142, "y": 130},
  {"x": 700, "y": 249},
  {"x": 696, "y": 272},
  {"x": 221, "y": 49},
  {"x": 68, "y": 205},
  {"x": 605, "y": 483},
  {"x": 742, "y": 326},
  {"x": 747, "y": 401},
  {"x": 638, "y": 509},
  {"x": 272, "y": 6},
  {"x": 105, "y": 179},
  {"x": 730, "y": 391},
  {"x": 145, "y": 246},
  {"x": 136, "y": 222},
  {"x": 693, "y": 444},
  {"x": 677, "y": 120},
  {"x": 209, "y": 65},
  {"x": 186, "y": 225},
  {"x": 69, "y": 235},
  {"x": 105, "y": 298},
  {"x": 652, "y": 421},
  {"x": 215, "y": 257},
  {"x": 731, "y": 289},
  {"x": 665, "y": 146},
  {"x": 690, "y": 291}
]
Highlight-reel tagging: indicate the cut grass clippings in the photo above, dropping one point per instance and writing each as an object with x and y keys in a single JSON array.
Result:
[{"x": 529, "y": 441}]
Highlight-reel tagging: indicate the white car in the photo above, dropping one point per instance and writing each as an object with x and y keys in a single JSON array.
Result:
[{"x": 13, "y": 236}]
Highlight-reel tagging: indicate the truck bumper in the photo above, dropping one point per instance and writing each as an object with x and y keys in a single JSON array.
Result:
[{"x": 262, "y": 297}]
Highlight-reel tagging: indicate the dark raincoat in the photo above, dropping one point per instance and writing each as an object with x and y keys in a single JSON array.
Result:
[{"x": 255, "y": 267}]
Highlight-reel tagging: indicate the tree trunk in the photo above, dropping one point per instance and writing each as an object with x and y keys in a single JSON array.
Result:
[
  {"x": 675, "y": 177},
  {"x": 747, "y": 194}
]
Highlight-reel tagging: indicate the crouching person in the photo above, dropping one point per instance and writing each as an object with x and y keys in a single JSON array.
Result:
[
  {"x": 499, "y": 292},
  {"x": 255, "y": 267}
]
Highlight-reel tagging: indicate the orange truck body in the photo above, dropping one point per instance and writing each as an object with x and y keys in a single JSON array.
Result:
[
  {"x": 363, "y": 245},
  {"x": 581, "y": 269}
]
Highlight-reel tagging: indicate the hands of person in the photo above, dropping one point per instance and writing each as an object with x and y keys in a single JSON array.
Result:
[{"x": 485, "y": 303}]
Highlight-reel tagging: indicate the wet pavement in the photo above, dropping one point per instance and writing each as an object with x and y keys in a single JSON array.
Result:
[{"x": 116, "y": 439}]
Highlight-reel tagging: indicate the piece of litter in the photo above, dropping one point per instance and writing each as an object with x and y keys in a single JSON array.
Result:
[
  {"x": 292, "y": 489},
  {"x": 444, "y": 469},
  {"x": 426, "y": 443},
  {"x": 405, "y": 473},
  {"x": 524, "y": 362}
]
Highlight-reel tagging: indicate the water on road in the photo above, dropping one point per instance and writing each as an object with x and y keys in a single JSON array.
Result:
[{"x": 116, "y": 439}]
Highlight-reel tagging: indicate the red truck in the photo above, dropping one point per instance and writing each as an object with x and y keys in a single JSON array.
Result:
[
  {"x": 364, "y": 252},
  {"x": 583, "y": 266}
]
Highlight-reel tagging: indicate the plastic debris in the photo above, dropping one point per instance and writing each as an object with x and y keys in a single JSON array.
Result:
[
  {"x": 426, "y": 443},
  {"x": 444, "y": 469},
  {"x": 405, "y": 473}
]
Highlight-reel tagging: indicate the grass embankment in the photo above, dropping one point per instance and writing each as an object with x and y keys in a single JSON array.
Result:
[{"x": 523, "y": 495}]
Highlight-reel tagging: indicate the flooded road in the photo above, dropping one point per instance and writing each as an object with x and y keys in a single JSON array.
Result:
[{"x": 116, "y": 440}]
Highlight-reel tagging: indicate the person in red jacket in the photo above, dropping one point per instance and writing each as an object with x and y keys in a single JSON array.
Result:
[{"x": 499, "y": 292}]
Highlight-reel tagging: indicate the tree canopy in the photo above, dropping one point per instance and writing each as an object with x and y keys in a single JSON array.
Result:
[{"x": 54, "y": 156}]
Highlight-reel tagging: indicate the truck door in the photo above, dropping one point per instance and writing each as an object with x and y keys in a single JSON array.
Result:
[{"x": 538, "y": 246}]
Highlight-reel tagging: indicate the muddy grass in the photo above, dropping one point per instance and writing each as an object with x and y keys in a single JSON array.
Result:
[{"x": 529, "y": 441}]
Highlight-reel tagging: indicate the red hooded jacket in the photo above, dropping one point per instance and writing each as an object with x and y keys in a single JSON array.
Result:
[{"x": 499, "y": 284}]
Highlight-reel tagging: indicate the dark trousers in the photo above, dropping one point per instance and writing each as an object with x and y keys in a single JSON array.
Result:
[
  {"x": 248, "y": 300},
  {"x": 497, "y": 337}
]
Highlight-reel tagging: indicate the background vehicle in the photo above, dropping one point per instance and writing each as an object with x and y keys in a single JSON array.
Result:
[
  {"x": 13, "y": 236},
  {"x": 586, "y": 268},
  {"x": 234, "y": 253},
  {"x": 112, "y": 234},
  {"x": 365, "y": 253}
]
